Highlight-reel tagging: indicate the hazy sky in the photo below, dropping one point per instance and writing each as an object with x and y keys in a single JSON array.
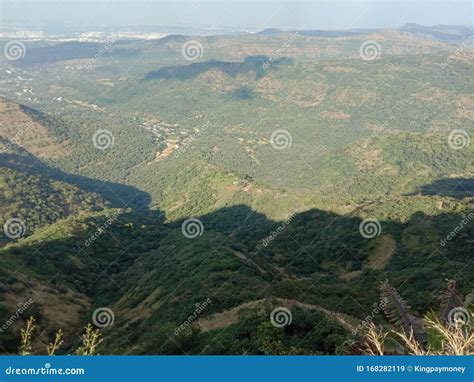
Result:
[{"x": 239, "y": 14}]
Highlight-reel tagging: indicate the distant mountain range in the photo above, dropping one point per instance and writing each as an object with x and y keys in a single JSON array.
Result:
[{"x": 450, "y": 33}]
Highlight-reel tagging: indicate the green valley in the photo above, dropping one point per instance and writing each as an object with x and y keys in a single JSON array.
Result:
[{"x": 190, "y": 195}]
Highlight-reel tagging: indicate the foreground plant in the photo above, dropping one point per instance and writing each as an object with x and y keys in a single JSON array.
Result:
[
  {"x": 90, "y": 340},
  {"x": 445, "y": 339},
  {"x": 26, "y": 333},
  {"x": 450, "y": 333},
  {"x": 375, "y": 339},
  {"x": 58, "y": 341}
]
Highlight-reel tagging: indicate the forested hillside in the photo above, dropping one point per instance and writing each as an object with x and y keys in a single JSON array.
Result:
[{"x": 293, "y": 173}]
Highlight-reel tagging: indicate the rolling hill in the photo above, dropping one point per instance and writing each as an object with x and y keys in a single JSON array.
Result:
[{"x": 196, "y": 196}]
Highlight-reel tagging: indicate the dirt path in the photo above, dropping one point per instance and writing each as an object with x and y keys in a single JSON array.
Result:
[{"x": 231, "y": 316}]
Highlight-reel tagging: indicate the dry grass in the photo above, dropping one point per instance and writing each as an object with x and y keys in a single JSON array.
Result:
[
  {"x": 90, "y": 341},
  {"x": 19, "y": 128},
  {"x": 454, "y": 340},
  {"x": 26, "y": 334},
  {"x": 58, "y": 341},
  {"x": 465, "y": 108},
  {"x": 339, "y": 115},
  {"x": 411, "y": 344},
  {"x": 384, "y": 252},
  {"x": 375, "y": 338}
]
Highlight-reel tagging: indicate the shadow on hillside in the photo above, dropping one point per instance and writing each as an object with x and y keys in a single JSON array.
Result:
[
  {"x": 118, "y": 195},
  {"x": 458, "y": 188},
  {"x": 242, "y": 93},
  {"x": 255, "y": 64},
  {"x": 235, "y": 251},
  {"x": 152, "y": 273}
]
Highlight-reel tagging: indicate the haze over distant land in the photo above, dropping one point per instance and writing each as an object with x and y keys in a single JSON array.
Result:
[{"x": 238, "y": 15}]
